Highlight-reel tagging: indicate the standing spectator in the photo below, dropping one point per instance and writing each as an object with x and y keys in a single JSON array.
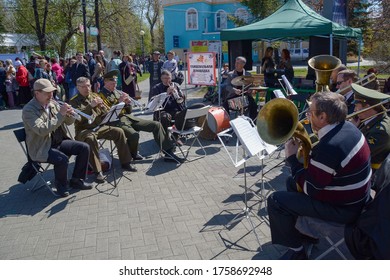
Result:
[
  {"x": 9, "y": 83},
  {"x": 374, "y": 84},
  {"x": 114, "y": 65},
  {"x": 3, "y": 92},
  {"x": 180, "y": 64},
  {"x": 58, "y": 70},
  {"x": 171, "y": 65},
  {"x": 285, "y": 67},
  {"x": 91, "y": 62},
  {"x": 101, "y": 53},
  {"x": 40, "y": 70},
  {"x": 97, "y": 77},
  {"x": 129, "y": 71},
  {"x": 154, "y": 69},
  {"x": 386, "y": 88},
  {"x": 24, "y": 87},
  {"x": 79, "y": 69},
  {"x": 268, "y": 67},
  {"x": 68, "y": 79}
]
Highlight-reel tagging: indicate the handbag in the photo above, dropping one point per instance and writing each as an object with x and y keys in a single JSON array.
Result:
[
  {"x": 130, "y": 78},
  {"x": 138, "y": 93}
]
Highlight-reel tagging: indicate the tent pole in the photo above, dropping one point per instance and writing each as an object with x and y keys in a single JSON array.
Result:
[
  {"x": 331, "y": 44},
  {"x": 360, "y": 47},
  {"x": 219, "y": 72}
]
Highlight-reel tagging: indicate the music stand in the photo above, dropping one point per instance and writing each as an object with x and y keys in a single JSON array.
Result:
[
  {"x": 252, "y": 145},
  {"x": 112, "y": 116}
]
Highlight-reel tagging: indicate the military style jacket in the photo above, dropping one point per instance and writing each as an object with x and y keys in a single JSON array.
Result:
[
  {"x": 112, "y": 98},
  {"x": 84, "y": 105},
  {"x": 377, "y": 133}
]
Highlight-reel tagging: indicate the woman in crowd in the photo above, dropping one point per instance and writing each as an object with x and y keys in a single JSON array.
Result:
[
  {"x": 268, "y": 67},
  {"x": 285, "y": 67},
  {"x": 129, "y": 71},
  {"x": 10, "y": 83},
  {"x": 97, "y": 77}
]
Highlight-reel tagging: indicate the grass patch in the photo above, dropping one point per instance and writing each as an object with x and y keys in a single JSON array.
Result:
[{"x": 143, "y": 78}]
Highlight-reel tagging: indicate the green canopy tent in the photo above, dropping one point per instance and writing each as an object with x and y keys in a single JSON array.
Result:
[{"x": 293, "y": 20}]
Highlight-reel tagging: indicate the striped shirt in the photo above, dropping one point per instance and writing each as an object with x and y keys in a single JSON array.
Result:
[{"x": 339, "y": 169}]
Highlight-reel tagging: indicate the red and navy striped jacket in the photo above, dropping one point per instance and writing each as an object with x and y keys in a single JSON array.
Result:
[{"x": 339, "y": 169}]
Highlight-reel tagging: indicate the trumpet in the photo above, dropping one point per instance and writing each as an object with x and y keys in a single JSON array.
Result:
[
  {"x": 77, "y": 114},
  {"x": 175, "y": 94},
  {"x": 134, "y": 102},
  {"x": 362, "y": 82}
]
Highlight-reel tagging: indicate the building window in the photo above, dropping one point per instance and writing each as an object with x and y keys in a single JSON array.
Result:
[
  {"x": 242, "y": 15},
  {"x": 192, "y": 19},
  {"x": 220, "y": 20}
]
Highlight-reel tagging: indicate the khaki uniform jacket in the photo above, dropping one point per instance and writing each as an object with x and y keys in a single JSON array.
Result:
[
  {"x": 112, "y": 98},
  {"x": 39, "y": 126},
  {"x": 377, "y": 133},
  {"x": 84, "y": 105}
]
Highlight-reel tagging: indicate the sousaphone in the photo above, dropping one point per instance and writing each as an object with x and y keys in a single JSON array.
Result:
[{"x": 323, "y": 65}]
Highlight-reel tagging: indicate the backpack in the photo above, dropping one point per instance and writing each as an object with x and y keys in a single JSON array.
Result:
[
  {"x": 179, "y": 78},
  {"x": 368, "y": 237}
]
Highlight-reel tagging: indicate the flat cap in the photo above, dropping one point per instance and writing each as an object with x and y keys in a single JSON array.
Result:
[
  {"x": 44, "y": 85},
  {"x": 366, "y": 95},
  {"x": 113, "y": 74},
  {"x": 156, "y": 52}
]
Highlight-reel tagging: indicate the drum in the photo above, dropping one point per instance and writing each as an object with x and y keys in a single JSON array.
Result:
[
  {"x": 217, "y": 120},
  {"x": 238, "y": 103}
]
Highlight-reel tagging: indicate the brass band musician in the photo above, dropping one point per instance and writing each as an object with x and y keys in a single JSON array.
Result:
[
  {"x": 47, "y": 140},
  {"x": 374, "y": 123},
  {"x": 90, "y": 103},
  {"x": 336, "y": 183},
  {"x": 233, "y": 92},
  {"x": 131, "y": 125},
  {"x": 344, "y": 80}
]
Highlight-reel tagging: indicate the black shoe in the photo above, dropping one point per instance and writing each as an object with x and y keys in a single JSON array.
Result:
[
  {"x": 62, "y": 193},
  {"x": 129, "y": 167},
  {"x": 309, "y": 239},
  {"x": 100, "y": 178},
  {"x": 79, "y": 184},
  {"x": 137, "y": 156},
  {"x": 170, "y": 156},
  {"x": 294, "y": 255}
]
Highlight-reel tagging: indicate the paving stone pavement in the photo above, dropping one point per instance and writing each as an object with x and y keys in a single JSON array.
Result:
[{"x": 165, "y": 212}]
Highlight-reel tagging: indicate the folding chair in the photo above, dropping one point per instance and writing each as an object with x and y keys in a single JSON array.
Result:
[
  {"x": 20, "y": 135},
  {"x": 192, "y": 132},
  {"x": 317, "y": 228}
]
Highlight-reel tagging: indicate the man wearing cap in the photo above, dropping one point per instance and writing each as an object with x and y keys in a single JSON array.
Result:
[
  {"x": 131, "y": 124},
  {"x": 24, "y": 86},
  {"x": 344, "y": 80},
  {"x": 91, "y": 104},
  {"x": 374, "y": 123},
  {"x": 47, "y": 141},
  {"x": 154, "y": 68}
]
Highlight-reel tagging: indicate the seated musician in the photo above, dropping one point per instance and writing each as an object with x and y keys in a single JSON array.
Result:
[
  {"x": 374, "y": 123},
  {"x": 345, "y": 79},
  {"x": 336, "y": 184},
  {"x": 233, "y": 91},
  {"x": 91, "y": 104},
  {"x": 131, "y": 125},
  {"x": 173, "y": 104},
  {"x": 44, "y": 121}
]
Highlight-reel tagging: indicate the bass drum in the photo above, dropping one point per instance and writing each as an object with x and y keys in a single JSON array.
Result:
[{"x": 217, "y": 120}]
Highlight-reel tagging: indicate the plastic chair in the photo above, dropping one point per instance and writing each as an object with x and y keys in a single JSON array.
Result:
[
  {"x": 192, "y": 132},
  {"x": 20, "y": 135}
]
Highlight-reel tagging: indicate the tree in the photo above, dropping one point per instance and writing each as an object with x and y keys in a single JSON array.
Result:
[{"x": 153, "y": 16}]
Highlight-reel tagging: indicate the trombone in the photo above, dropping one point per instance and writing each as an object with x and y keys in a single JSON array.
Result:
[
  {"x": 354, "y": 114},
  {"x": 362, "y": 82}
]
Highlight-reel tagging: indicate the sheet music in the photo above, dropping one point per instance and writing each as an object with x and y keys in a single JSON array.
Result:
[
  {"x": 156, "y": 102},
  {"x": 278, "y": 93},
  {"x": 113, "y": 114},
  {"x": 248, "y": 136}
]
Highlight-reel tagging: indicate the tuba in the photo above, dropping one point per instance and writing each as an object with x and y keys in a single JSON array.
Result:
[
  {"x": 278, "y": 121},
  {"x": 323, "y": 65}
]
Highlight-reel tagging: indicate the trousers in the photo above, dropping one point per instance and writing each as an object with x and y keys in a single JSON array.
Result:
[
  {"x": 59, "y": 157},
  {"x": 113, "y": 133}
]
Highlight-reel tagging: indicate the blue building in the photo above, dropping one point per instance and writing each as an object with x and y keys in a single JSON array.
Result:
[{"x": 196, "y": 25}]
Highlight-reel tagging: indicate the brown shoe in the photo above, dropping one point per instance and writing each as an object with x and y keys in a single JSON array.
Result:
[{"x": 100, "y": 178}]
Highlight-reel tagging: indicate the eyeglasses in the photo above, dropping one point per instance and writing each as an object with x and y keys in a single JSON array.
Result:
[
  {"x": 339, "y": 82},
  {"x": 310, "y": 113}
]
